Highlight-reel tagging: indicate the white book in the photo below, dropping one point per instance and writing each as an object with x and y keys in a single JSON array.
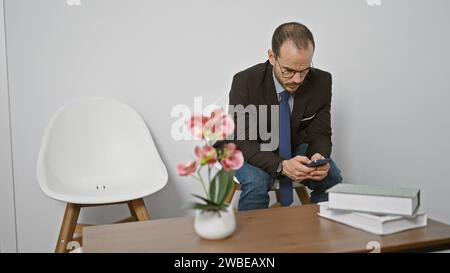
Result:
[
  {"x": 373, "y": 223},
  {"x": 379, "y": 199}
]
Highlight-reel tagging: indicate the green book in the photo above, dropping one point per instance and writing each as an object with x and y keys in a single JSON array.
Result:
[{"x": 377, "y": 199}]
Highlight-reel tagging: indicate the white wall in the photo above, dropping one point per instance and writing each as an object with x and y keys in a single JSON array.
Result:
[
  {"x": 389, "y": 62},
  {"x": 7, "y": 222}
]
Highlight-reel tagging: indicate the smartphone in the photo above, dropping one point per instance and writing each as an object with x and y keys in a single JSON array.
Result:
[{"x": 317, "y": 163}]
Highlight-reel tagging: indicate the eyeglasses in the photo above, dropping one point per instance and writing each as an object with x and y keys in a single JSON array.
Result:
[{"x": 289, "y": 73}]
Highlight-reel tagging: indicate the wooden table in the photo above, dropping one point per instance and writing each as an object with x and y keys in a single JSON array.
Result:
[{"x": 291, "y": 229}]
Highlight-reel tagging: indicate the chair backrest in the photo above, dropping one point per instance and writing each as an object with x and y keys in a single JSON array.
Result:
[{"x": 98, "y": 151}]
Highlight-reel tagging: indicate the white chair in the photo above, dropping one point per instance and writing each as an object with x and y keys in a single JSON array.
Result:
[{"x": 98, "y": 152}]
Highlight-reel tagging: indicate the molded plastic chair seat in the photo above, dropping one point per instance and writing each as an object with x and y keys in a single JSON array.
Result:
[
  {"x": 99, "y": 151},
  {"x": 101, "y": 196}
]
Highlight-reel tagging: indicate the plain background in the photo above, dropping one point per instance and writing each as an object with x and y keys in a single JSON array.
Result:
[{"x": 390, "y": 65}]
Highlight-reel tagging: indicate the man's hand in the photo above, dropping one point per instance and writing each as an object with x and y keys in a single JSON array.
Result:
[
  {"x": 320, "y": 172},
  {"x": 296, "y": 170}
]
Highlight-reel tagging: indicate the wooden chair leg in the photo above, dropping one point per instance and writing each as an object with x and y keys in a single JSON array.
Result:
[
  {"x": 277, "y": 204},
  {"x": 126, "y": 220},
  {"x": 138, "y": 209},
  {"x": 68, "y": 225},
  {"x": 72, "y": 231},
  {"x": 303, "y": 195},
  {"x": 277, "y": 195},
  {"x": 79, "y": 228},
  {"x": 130, "y": 207}
]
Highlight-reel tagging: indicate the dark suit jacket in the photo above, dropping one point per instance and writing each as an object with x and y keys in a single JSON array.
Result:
[{"x": 310, "y": 118}]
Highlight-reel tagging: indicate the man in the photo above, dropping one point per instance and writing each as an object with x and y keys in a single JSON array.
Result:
[{"x": 303, "y": 95}]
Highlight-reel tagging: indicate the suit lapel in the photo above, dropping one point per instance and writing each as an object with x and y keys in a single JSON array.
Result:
[
  {"x": 300, "y": 101},
  {"x": 270, "y": 93}
]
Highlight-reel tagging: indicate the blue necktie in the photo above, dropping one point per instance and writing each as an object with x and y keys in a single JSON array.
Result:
[{"x": 286, "y": 196}]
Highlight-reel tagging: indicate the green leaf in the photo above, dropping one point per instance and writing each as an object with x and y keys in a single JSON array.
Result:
[
  {"x": 208, "y": 202},
  {"x": 213, "y": 189},
  {"x": 208, "y": 207},
  {"x": 229, "y": 188},
  {"x": 190, "y": 205},
  {"x": 225, "y": 182}
]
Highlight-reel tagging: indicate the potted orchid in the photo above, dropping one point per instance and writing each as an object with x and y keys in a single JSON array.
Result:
[{"x": 214, "y": 217}]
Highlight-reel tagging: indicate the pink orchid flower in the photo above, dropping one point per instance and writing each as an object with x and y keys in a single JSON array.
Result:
[
  {"x": 196, "y": 124},
  {"x": 219, "y": 125},
  {"x": 206, "y": 155},
  {"x": 232, "y": 158},
  {"x": 188, "y": 168}
]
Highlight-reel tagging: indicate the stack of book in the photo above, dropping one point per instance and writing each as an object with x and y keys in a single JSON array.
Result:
[{"x": 376, "y": 209}]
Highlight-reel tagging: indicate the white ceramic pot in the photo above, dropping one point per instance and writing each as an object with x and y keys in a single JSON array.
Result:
[{"x": 215, "y": 225}]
